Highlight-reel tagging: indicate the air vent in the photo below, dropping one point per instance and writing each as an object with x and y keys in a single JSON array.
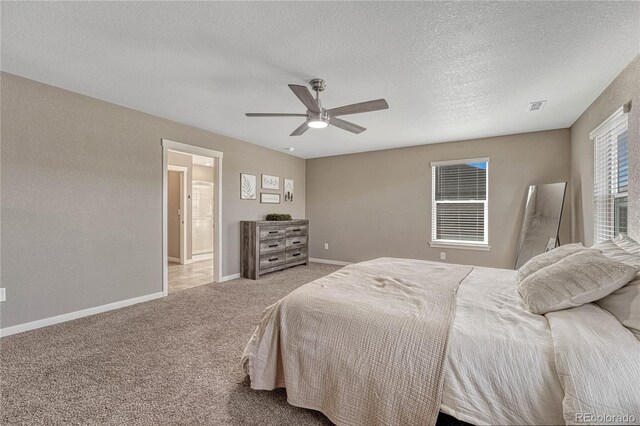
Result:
[{"x": 536, "y": 106}]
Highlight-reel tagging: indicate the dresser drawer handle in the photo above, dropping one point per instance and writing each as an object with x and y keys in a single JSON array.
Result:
[
  {"x": 296, "y": 230},
  {"x": 273, "y": 259},
  {"x": 273, "y": 232},
  {"x": 296, "y": 254},
  {"x": 273, "y": 245},
  {"x": 296, "y": 242}
]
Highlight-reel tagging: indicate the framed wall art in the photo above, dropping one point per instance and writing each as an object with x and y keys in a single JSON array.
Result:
[
  {"x": 270, "y": 182},
  {"x": 267, "y": 198},
  {"x": 248, "y": 187},
  {"x": 288, "y": 190}
]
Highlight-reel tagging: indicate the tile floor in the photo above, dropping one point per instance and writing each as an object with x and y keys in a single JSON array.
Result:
[{"x": 192, "y": 275}]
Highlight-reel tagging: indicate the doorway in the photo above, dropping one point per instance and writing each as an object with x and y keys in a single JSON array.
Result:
[{"x": 192, "y": 201}]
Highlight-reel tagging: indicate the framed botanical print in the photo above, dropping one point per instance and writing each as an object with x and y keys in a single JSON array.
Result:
[
  {"x": 270, "y": 182},
  {"x": 248, "y": 188}
]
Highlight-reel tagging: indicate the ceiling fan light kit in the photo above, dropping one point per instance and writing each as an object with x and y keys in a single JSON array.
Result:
[
  {"x": 317, "y": 123},
  {"x": 318, "y": 117}
]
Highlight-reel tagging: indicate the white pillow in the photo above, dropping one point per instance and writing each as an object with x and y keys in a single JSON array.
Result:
[
  {"x": 545, "y": 259},
  {"x": 577, "y": 279},
  {"x": 627, "y": 244},
  {"x": 624, "y": 303},
  {"x": 613, "y": 251}
]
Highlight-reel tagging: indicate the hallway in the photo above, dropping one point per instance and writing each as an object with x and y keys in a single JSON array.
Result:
[{"x": 195, "y": 274}]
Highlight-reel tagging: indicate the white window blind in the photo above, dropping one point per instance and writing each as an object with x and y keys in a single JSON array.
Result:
[
  {"x": 460, "y": 202},
  {"x": 611, "y": 177}
]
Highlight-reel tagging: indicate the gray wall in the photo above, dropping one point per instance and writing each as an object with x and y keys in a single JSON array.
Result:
[
  {"x": 625, "y": 88},
  {"x": 81, "y": 198},
  {"x": 379, "y": 203}
]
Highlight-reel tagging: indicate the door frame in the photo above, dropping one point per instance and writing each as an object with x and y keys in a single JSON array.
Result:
[
  {"x": 183, "y": 210},
  {"x": 217, "y": 238}
]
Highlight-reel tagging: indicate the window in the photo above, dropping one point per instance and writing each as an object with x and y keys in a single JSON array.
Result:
[
  {"x": 610, "y": 176},
  {"x": 460, "y": 203}
]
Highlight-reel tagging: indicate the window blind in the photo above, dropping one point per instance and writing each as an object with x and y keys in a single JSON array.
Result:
[
  {"x": 611, "y": 177},
  {"x": 459, "y": 202}
]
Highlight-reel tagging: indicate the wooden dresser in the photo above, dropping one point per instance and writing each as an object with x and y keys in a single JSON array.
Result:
[{"x": 268, "y": 246}]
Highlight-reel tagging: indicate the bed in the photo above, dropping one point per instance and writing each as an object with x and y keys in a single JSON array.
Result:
[{"x": 329, "y": 344}]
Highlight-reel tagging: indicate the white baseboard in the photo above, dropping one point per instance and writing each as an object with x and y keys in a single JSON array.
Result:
[
  {"x": 330, "y": 262},
  {"x": 174, "y": 259},
  {"x": 8, "y": 331},
  {"x": 198, "y": 257},
  {"x": 230, "y": 277}
]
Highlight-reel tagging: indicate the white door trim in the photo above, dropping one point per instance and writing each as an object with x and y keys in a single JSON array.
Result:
[
  {"x": 183, "y": 209},
  {"x": 217, "y": 240}
]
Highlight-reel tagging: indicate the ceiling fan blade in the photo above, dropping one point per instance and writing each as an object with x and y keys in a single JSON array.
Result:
[
  {"x": 368, "y": 106},
  {"x": 305, "y": 97},
  {"x": 300, "y": 130},
  {"x": 345, "y": 125},
  {"x": 273, "y": 114}
]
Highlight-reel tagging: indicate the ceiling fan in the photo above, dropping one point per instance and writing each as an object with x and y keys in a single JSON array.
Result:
[{"x": 318, "y": 117}]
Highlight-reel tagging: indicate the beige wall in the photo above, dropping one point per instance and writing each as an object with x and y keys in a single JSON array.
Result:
[
  {"x": 376, "y": 204},
  {"x": 82, "y": 195},
  {"x": 625, "y": 88},
  {"x": 173, "y": 219},
  {"x": 183, "y": 160}
]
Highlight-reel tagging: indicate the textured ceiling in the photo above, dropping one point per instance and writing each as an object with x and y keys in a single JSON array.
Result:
[{"x": 450, "y": 71}]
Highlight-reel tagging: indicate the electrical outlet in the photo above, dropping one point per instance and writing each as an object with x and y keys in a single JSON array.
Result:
[
  {"x": 3, "y": 294},
  {"x": 326, "y": 246},
  {"x": 443, "y": 255}
]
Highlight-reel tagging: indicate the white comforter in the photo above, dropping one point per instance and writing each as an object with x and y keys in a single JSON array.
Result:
[
  {"x": 506, "y": 365},
  {"x": 500, "y": 368},
  {"x": 598, "y": 363}
]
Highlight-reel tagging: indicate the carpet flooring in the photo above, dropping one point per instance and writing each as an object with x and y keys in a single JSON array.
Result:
[{"x": 174, "y": 360}]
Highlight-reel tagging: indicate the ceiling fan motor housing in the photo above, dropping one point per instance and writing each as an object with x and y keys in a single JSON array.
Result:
[{"x": 318, "y": 84}]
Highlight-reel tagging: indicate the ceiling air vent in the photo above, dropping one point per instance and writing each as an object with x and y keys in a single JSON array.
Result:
[{"x": 536, "y": 106}]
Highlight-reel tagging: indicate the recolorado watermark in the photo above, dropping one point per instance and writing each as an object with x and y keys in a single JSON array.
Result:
[{"x": 619, "y": 419}]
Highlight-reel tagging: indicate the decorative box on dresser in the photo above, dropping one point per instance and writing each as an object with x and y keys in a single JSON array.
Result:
[{"x": 268, "y": 246}]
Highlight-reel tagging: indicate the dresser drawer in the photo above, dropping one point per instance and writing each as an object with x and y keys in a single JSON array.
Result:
[
  {"x": 271, "y": 246},
  {"x": 293, "y": 231},
  {"x": 293, "y": 242},
  {"x": 297, "y": 254},
  {"x": 268, "y": 233},
  {"x": 271, "y": 260}
]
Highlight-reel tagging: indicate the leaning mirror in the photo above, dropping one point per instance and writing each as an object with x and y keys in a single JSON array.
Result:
[{"x": 541, "y": 222}]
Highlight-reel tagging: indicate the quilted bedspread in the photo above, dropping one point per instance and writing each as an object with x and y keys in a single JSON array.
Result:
[{"x": 365, "y": 345}]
